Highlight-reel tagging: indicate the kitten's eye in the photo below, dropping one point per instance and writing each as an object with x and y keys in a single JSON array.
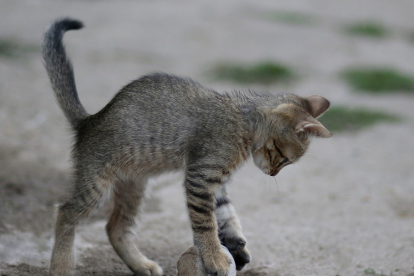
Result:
[{"x": 284, "y": 161}]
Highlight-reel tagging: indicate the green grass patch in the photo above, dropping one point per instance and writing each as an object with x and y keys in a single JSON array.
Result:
[
  {"x": 292, "y": 18},
  {"x": 10, "y": 48},
  {"x": 410, "y": 36},
  {"x": 378, "y": 80},
  {"x": 342, "y": 118},
  {"x": 260, "y": 73},
  {"x": 367, "y": 29},
  {"x": 371, "y": 272}
]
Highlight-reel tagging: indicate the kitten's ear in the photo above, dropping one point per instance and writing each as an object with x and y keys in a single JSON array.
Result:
[
  {"x": 311, "y": 126},
  {"x": 303, "y": 121},
  {"x": 317, "y": 105}
]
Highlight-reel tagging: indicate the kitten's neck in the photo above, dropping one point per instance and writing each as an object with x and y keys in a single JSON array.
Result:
[{"x": 252, "y": 119}]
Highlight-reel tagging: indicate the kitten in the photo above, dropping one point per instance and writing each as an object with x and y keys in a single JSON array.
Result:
[{"x": 162, "y": 123}]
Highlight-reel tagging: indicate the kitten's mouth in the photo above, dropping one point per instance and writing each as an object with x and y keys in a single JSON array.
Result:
[{"x": 270, "y": 172}]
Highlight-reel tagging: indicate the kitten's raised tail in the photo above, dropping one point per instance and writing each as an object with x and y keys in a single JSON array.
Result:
[{"x": 59, "y": 69}]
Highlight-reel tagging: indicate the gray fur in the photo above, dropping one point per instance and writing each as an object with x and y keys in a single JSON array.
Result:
[{"x": 161, "y": 123}]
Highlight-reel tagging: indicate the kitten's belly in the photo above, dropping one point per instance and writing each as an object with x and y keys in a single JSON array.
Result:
[{"x": 159, "y": 162}]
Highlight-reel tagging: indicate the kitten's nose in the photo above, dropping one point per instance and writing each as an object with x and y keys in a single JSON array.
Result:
[{"x": 275, "y": 172}]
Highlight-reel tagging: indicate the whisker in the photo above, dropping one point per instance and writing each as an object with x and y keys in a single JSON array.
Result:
[
  {"x": 263, "y": 188},
  {"x": 277, "y": 186},
  {"x": 267, "y": 188},
  {"x": 312, "y": 154},
  {"x": 300, "y": 166},
  {"x": 260, "y": 179},
  {"x": 314, "y": 157}
]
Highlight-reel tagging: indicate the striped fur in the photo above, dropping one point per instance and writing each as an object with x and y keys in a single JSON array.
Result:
[{"x": 162, "y": 123}]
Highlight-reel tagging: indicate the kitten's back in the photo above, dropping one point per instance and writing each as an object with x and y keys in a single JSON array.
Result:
[{"x": 162, "y": 118}]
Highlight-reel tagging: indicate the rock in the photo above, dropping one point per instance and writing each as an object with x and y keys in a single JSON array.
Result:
[{"x": 190, "y": 263}]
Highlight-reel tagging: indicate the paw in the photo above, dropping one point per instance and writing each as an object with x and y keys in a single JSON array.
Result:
[
  {"x": 237, "y": 248},
  {"x": 62, "y": 263},
  {"x": 217, "y": 264},
  {"x": 60, "y": 273},
  {"x": 149, "y": 268}
]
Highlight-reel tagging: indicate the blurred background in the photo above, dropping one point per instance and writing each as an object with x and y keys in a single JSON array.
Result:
[{"x": 347, "y": 208}]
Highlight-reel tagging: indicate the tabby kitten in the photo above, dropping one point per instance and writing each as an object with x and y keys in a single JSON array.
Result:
[{"x": 162, "y": 123}]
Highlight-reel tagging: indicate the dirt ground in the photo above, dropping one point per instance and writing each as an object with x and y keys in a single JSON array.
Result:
[{"x": 347, "y": 208}]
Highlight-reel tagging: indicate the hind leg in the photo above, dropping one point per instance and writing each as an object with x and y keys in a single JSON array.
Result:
[
  {"x": 85, "y": 197},
  {"x": 120, "y": 228}
]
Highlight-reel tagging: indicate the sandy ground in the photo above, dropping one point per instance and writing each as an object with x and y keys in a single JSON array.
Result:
[{"x": 348, "y": 206}]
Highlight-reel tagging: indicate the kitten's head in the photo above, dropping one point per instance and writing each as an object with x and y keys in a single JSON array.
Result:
[{"x": 288, "y": 130}]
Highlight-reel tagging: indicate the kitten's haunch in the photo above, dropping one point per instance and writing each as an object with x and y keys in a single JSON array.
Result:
[{"x": 160, "y": 123}]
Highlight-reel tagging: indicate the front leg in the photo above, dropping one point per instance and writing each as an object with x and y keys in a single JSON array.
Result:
[
  {"x": 230, "y": 230},
  {"x": 200, "y": 190}
]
